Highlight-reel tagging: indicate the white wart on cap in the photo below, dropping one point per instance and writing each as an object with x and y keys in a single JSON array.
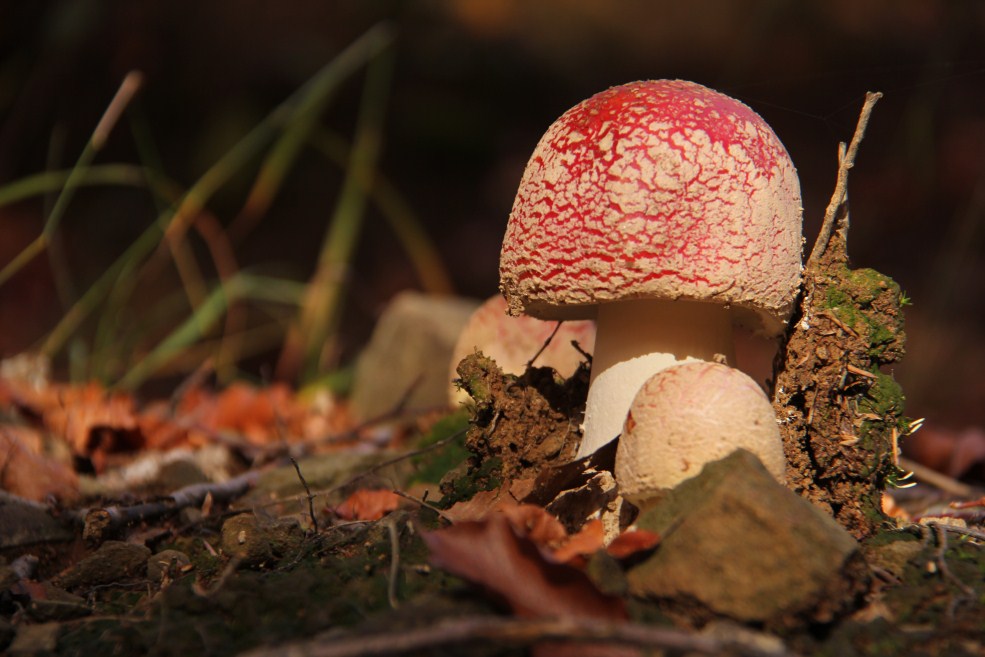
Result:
[
  {"x": 669, "y": 197},
  {"x": 688, "y": 415}
]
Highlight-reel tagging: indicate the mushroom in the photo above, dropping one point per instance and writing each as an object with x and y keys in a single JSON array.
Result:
[
  {"x": 688, "y": 415},
  {"x": 666, "y": 211},
  {"x": 513, "y": 341}
]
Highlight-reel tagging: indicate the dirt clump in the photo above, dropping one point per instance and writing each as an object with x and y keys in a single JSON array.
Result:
[
  {"x": 519, "y": 425},
  {"x": 841, "y": 417}
]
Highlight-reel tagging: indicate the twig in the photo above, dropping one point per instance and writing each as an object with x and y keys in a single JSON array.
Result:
[
  {"x": 956, "y": 529},
  {"x": 99, "y": 522},
  {"x": 307, "y": 490},
  {"x": 515, "y": 631},
  {"x": 407, "y": 496},
  {"x": 397, "y": 459},
  {"x": 391, "y": 589},
  {"x": 837, "y": 207},
  {"x": 370, "y": 471},
  {"x": 587, "y": 356},
  {"x": 544, "y": 346},
  {"x": 940, "y": 560}
]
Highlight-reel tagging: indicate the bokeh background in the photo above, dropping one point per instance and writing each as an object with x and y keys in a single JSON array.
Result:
[{"x": 475, "y": 83}]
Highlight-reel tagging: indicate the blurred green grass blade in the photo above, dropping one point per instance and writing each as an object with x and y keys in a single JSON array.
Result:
[
  {"x": 240, "y": 287},
  {"x": 398, "y": 214},
  {"x": 297, "y": 134},
  {"x": 323, "y": 299},
  {"x": 128, "y": 88},
  {"x": 173, "y": 222},
  {"x": 164, "y": 194}
]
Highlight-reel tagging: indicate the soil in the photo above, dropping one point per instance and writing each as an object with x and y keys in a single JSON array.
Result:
[
  {"x": 259, "y": 577},
  {"x": 841, "y": 415}
]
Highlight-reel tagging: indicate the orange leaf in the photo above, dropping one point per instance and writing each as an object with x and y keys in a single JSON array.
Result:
[
  {"x": 632, "y": 542},
  {"x": 589, "y": 540},
  {"x": 27, "y": 473},
  {"x": 368, "y": 505},
  {"x": 512, "y": 569}
]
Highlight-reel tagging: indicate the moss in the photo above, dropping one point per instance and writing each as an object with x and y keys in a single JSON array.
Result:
[
  {"x": 433, "y": 465},
  {"x": 864, "y": 300},
  {"x": 883, "y": 399},
  {"x": 463, "y": 484}
]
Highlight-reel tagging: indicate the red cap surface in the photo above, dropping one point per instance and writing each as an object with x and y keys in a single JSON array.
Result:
[{"x": 662, "y": 189}]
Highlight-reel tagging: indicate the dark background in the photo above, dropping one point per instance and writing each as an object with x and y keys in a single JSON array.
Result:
[{"x": 475, "y": 84}]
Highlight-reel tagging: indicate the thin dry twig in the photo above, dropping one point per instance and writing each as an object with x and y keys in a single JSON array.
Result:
[
  {"x": 307, "y": 490},
  {"x": 369, "y": 471},
  {"x": 940, "y": 560},
  {"x": 100, "y": 522},
  {"x": 424, "y": 503},
  {"x": 515, "y": 631},
  {"x": 391, "y": 589},
  {"x": 837, "y": 210},
  {"x": 956, "y": 529},
  {"x": 547, "y": 342}
]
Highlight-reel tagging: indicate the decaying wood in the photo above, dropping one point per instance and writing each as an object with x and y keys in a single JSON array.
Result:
[{"x": 840, "y": 415}]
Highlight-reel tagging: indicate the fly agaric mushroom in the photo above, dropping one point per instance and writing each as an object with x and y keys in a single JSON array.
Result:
[
  {"x": 513, "y": 341},
  {"x": 688, "y": 415},
  {"x": 665, "y": 210}
]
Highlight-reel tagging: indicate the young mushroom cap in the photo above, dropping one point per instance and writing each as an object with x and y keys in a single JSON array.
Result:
[
  {"x": 670, "y": 196},
  {"x": 513, "y": 341},
  {"x": 688, "y": 415}
]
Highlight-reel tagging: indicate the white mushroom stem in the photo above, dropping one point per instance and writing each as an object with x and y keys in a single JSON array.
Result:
[{"x": 636, "y": 339}]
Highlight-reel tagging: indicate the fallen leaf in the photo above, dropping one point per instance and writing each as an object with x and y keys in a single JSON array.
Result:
[
  {"x": 632, "y": 542},
  {"x": 480, "y": 505},
  {"x": 368, "y": 505},
  {"x": 590, "y": 539},
  {"x": 512, "y": 569},
  {"x": 95, "y": 422},
  {"x": 26, "y": 472}
]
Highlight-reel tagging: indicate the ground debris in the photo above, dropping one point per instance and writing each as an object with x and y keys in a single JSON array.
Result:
[
  {"x": 840, "y": 415},
  {"x": 519, "y": 425}
]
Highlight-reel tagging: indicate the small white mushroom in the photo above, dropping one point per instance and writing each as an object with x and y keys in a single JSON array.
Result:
[{"x": 688, "y": 415}]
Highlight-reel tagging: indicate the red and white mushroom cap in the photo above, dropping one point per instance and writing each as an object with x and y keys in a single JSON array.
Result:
[{"x": 660, "y": 189}]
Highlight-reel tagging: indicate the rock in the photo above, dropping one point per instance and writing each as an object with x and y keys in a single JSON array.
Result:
[
  {"x": 409, "y": 351},
  {"x": 112, "y": 562},
  {"x": 26, "y": 523},
  {"x": 166, "y": 562},
  {"x": 37, "y": 639},
  {"x": 738, "y": 544},
  {"x": 247, "y": 538}
]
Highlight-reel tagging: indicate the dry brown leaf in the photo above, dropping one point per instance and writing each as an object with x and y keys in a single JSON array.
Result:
[
  {"x": 511, "y": 568},
  {"x": 632, "y": 542},
  {"x": 368, "y": 505},
  {"x": 26, "y": 472},
  {"x": 590, "y": 539},
  {"x": 94, "y": 422},
  {"x": 480, "y": 505}
]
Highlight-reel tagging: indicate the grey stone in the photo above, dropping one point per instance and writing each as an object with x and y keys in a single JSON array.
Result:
[
  {"x": 26, "y": 523},
  {"x": 738, "y": 544},
  {"x": 409, "y": 352}
]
